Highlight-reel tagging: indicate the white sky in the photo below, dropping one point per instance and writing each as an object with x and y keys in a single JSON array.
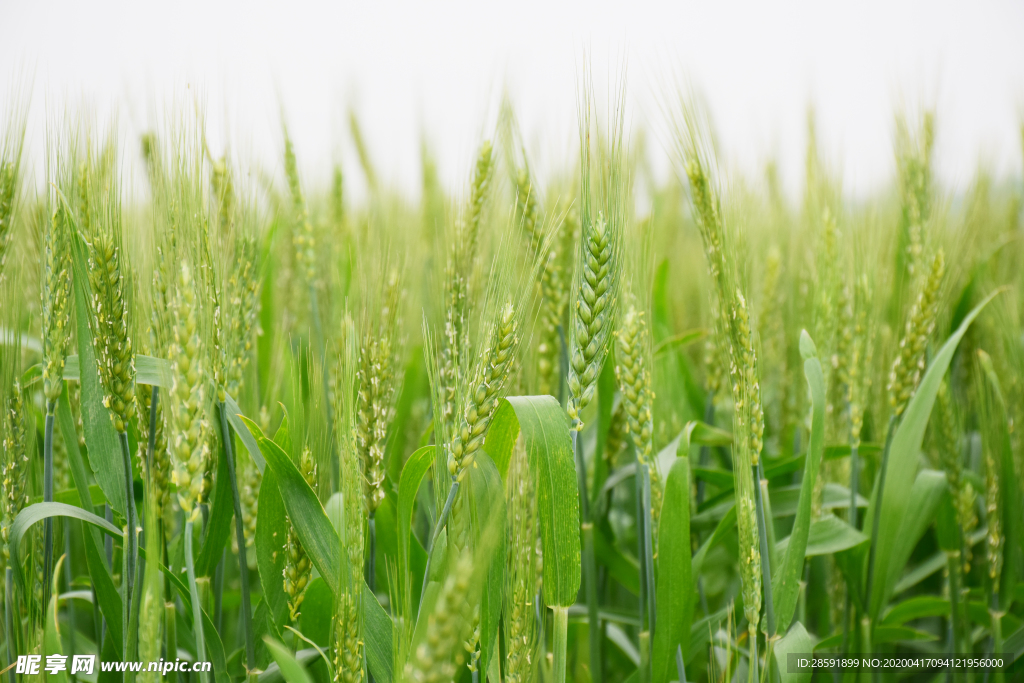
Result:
[{"x": 441, "y": 67}]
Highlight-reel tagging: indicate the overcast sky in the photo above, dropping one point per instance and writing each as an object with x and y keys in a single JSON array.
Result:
[{"x": 441, "y": 67}]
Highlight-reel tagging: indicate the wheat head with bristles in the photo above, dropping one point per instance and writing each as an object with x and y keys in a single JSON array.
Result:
[
  {"x": 596, "y": 283},
  {"x": 187, "y": 411},
  {"x": 633, "y": 374},
  {"x": 348, "y": 649},
  {"x": 348, "y": 643},
  {"x": 15, "y": 462},
  {"x": 56, "y": 303},
  {"x": 490, "y": 384},
  {"x": 108, "y": 280},
  {"x": 733, "y": 329},
  {"x": 303, "y": 239},
  {"x": 10, "y": 174},
  {"x": 909, "y": 365},
  {"x": 913, "y": 162},
  {"x": 458, "y": 273},
  {"x": 379, "y": 376}
]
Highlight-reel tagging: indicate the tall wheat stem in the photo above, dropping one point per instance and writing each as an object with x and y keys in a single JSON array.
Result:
[
  {"x": 130, "y": 540},
  {"x": 48, "y": 498},
  {"x": 193, "y": 591},
  {"x": 762, "y": 532},
  {"x": 441, "y": 521},
  {"x": 9, "y": 620},
  {"x": 589, "y": 563},
  {"x": 560, "y": 642}
]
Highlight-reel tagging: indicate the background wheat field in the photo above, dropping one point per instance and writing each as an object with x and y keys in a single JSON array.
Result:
[{"x": 591, "y": 423}]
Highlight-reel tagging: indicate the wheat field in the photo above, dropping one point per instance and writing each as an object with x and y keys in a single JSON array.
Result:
[{"x": 522, "y": 430}]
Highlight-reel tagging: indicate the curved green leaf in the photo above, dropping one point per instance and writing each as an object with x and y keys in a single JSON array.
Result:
[
  {"x": 321, "y": 543},
  {"x": 543, "y": 425},
  {"x": 675, "y": 595},
  {"x": 796, "y": 640},
  {"x": 786, "y": 582},
  {"x": 828, "y": 535},
  {"x": 40, "y": 511},
  {"x": 918, "y": 607},
  {"x": 415, "y": 468},
  {"x": 271, "y": 531},
  {"x": 291, "y": 670},
  {"x": 903, "y": 460},
  {"x": 51, "y": 633},
  {"x": 305, "y": 512},
  {"x": 222, "y": 514},
  {"x": 246, "y": 437},
  {"x": 926, "y": 493}
]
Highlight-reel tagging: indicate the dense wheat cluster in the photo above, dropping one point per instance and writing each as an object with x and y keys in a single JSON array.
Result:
[{"x": 519, "y": 429}]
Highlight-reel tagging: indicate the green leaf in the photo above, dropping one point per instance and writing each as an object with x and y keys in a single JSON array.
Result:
[
  {"x": 897, "y": 634},
  {"x": 921, "y": 572},
  {"x": 1009, "y": 486},
  {"x": 211, "y": 636},
  {"x": 305, "y": 512},
  {"x": 786, "y": 499},
  {"x": 674, "y": 587},
  {"x": 623, "y": 569},
  {"x": 918, "y": 607},
  {"x": 903, "y": 460},
  {"x": 222, "y": 514},
  {"x": 797, "y": 640},
  {"x": 100, "y": 437},
  {"x": 543, "y": 425},
  {"x": 415, "y": 469},
  {"x": 317, "y": 612},
  {"x": 40, "y": 511},
  {"x": 106, "y": 592},
  {"x": 927, "y": 492},
  {"x": 725, "y": 525},
  {"x": 701, "y": 433},
  {"x": 487, "y": 515},
  {"x": 378, "y": 637},
  {"x": 291, "y": 670},
  {"x": 51, "y": 634},
  {"x": 323, "y": 547},
  {"x": 271, "y": 534},
  {"x": 786, "y": 581},
  {"x": 828, "y": 535},
  {"x": 414, "y": 385},
  {"x": 235, "y": 418}
]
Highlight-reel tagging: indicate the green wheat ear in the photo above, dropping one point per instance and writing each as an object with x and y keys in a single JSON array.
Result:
[
  {"x": 633, "y": 375},
  {"x": 186, "y": 415},
  {"x": 378, "y": 381},
  {"x": 909, "y": 365},
  {"x": 115, "y": 356},
  {"x": 15, "y": 462},
  {"x": 56, "y": 302},
  {"x": 596, "y": 290},
  {"x": 489, "y": 387}
]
